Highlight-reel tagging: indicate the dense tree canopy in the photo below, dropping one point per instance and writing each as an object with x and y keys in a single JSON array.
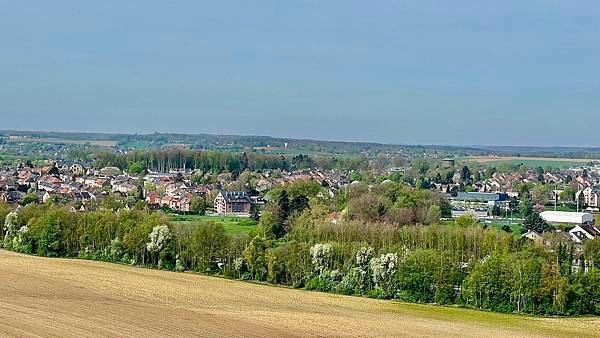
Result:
[{"x": 164, "y": 160}]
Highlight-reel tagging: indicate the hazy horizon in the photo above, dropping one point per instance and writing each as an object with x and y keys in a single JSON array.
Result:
[
  {"x": 513, "y": 73},
  {"x": 310, "y": 139}
]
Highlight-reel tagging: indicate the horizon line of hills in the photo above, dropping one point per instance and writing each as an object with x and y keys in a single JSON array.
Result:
[{"x": 240, "y": 142}]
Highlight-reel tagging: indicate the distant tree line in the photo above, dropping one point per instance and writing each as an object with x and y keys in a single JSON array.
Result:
[{"x": 214, "y": 161}]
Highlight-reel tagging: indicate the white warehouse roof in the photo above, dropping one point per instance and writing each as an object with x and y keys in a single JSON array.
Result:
[{"x": 567, "y": 217}]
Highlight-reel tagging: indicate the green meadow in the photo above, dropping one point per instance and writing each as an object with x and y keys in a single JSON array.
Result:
[{"x": 232, "y": 224}]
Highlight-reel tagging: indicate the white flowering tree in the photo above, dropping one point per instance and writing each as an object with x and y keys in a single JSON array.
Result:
[
  {"x": 321, "y": 256},
  {"x": 159, "y": 237},
  {"x": 19, "y": 240},
  {"x": 383, "y": 269},
  {"x": 179, "y": 266},
  {"x": 363, "y": 261},
  {"x": 238, "y": 265},
  {"x": 358, "y": 279},
  {"x": 11, "y": 223},
  {"x": 115, "y": 250}
]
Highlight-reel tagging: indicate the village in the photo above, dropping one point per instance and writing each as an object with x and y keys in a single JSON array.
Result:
[
  {"x": 565, "y": 198},
  {"x": 83, "y": 188}
]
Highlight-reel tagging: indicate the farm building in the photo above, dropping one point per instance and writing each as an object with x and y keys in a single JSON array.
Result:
[{"x": 566, "y": 217}]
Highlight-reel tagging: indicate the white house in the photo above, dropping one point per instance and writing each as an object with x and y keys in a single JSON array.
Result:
[
  {"x": 591, "y": 196},
  {"x": 584, "y": 232}
]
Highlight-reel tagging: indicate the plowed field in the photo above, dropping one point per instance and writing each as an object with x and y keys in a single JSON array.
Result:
[{"x": 66, "y": 297}]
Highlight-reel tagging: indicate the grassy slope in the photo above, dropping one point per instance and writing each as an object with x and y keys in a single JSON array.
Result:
[
  {"x": 516, "y": 228},
  {"x": 66, "y": 297}
]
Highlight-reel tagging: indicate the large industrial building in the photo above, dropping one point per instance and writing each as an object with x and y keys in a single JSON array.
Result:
[
  {"x": 483, "y": 197},
  {"x": 566, "y": 217}
]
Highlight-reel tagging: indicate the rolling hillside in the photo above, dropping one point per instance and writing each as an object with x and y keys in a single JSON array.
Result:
[{"x": 65, "y": 297}]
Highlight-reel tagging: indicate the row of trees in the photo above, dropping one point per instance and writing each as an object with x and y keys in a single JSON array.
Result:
[
  {"x": 298, "y": 244},
  {"x": 214, "y": 161},
  {"x": 181, "y": 158}
]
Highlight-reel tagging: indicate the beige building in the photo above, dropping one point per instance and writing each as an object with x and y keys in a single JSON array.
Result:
[{"x": 232, "y": 202}]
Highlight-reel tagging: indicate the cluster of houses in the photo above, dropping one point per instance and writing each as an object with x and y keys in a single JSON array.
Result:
[
  {"x": 331, "y": 179},
  {"x": 79, "y": 183},
  {"x": 64, "y": 181},
  {"x": 172, "y": 190}
]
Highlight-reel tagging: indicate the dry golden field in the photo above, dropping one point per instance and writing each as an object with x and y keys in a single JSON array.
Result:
[{"x": 66, "y": 297}]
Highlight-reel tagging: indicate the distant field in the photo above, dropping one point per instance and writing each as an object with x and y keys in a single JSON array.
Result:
[
  {"x": 295, "y": 152},
  {"x": 9, "y": 159},
  {"x": 532, "y": 162},
  {"x": 9, "y": 156},
  {"x": 135, "y": 145},
  {"x": 291, "y": 151},
  {"x": 78, "y": 298},
  {"x": 101, "y": 143},
  {"x": 231, "y": 224}
]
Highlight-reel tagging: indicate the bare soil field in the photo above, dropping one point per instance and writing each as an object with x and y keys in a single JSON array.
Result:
[{"x": 68, "y": 298}]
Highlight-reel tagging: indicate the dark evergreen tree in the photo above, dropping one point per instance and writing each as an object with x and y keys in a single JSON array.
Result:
[
  {"x": 449, "y": 176},
  {"x": 254, "y": 213},
  {"x": 284, "y": 206},
  {"x": 513, "y": 204},
  {"x": 465, "y": 174},
  {"x": 281, "y": 214},
  {"x": 299, "y": 204},
  {"x": 140, "y": 190},
  {"x": 535, "y": 222},
  {"x": 496, "y": 211}
]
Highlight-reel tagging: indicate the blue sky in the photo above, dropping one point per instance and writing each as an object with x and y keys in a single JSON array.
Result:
[{"x": 413, "y": 72}]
